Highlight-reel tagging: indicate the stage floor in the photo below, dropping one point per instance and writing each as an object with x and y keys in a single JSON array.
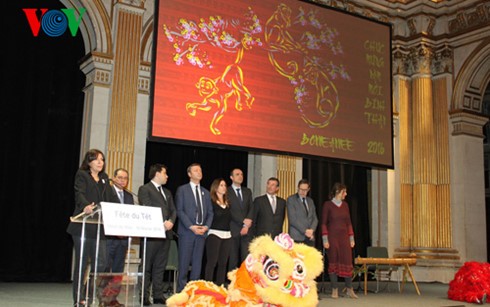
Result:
[{"x": 432, "y": 295}]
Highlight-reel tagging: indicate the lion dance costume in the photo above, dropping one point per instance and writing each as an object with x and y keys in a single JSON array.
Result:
[
  {"x": 275, "y": 273},
  {"x": 471, "y": 283}
]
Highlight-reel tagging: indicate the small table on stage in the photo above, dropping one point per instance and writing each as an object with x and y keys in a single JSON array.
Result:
[{"x": 405, "y": 262}]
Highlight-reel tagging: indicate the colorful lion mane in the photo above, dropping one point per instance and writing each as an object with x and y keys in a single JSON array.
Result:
[
  {"x": 471, "y": 283},
  {"x": 275, "y": 273}
]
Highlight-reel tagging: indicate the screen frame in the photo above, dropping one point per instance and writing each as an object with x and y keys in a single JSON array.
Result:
[{"x": 169, "y": 140}]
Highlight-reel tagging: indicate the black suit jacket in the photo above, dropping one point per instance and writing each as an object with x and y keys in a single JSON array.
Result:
[
  {"x": 149, "y": 195},
  {"x": 87, "y": 190},
  {"x": 265, "y": 221},
  {"x": 239, "y": 212}
]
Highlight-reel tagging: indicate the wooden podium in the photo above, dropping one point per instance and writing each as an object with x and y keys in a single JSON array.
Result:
[{"x": 405, "y": 262}]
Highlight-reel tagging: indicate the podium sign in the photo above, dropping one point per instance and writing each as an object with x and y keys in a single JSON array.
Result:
[{"x": 132, "y": 220}]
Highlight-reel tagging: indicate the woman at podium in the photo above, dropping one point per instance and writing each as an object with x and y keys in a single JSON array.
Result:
[{"x": 91, "y": 187}]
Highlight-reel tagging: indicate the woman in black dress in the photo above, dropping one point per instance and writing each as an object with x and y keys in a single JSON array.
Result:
[{"x": 91, "y": 187}]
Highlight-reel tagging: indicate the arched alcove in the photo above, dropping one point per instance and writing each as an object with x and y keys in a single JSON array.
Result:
[
  {"x": 472, "y": 80},
  {"x": 95, "y": 26}
]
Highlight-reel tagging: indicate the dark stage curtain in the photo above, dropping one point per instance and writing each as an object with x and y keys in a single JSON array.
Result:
[
  {"x": 42, "y": 105},
  {"x": 215, "y": 162},
  {"x": 322, "y": 175}
]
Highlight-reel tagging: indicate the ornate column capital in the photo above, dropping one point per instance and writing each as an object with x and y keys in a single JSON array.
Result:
[
  {"x": 443, "y": 61},
  {"x": 421, "y": 59},
  {"x": 401, "y": 62}
]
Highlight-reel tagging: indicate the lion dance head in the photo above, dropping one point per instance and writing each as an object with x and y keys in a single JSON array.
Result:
[{"x": 275, "y": 273}]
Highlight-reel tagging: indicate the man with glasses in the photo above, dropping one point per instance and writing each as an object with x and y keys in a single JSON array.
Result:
[
  {"x": 302, "y": 216},
  {"x": 117, "y": 247}
]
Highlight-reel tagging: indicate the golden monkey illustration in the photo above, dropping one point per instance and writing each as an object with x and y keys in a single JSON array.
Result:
[{"x": 218, "y": 92}]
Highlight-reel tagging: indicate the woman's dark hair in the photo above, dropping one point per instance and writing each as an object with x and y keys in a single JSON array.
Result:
[
  {"x": 214, "y": 189},
  {"x": 337, "y": 187},
  {"x": 90, "y": 156}
]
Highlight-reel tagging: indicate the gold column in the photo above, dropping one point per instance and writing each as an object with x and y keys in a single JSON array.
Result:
[
  {"x": 424, "y": 158},
  {"x": 128, "y": 31},
  {"x": 424, "y": 163},
  {"x": 405, "y": 137},
  {"x": 441, "y": 120},
  {"x": 286, "y": 173}
]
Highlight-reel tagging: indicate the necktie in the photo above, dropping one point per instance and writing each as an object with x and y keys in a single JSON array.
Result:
[
  {"x": 161, "y": 192},
  {"x": 239, "y": 196},
  {"x": 273, "y": 204},
  {"x": 199, "y": 206},
  {"x": 304, "y": 204},
  {"x": 121, "y": 196}
]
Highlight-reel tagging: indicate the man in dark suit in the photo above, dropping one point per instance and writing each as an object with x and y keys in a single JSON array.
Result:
[
  {"x": 117, "y": 247},
  {"x": 195, "y": 214},
  {"x": 241, "y": 208},
  {"x": 154, "y": 194},
  {"x": 302, "y": 216},
  {"x": 269, "y": 211}
]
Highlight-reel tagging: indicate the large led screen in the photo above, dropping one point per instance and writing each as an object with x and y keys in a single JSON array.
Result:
[{"x": 275, "y": 76}]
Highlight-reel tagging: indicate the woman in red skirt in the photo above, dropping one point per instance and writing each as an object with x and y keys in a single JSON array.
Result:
[{"x": 338, "y": 239}]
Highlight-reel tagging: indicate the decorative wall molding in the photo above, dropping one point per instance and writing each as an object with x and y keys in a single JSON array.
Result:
[
  {"x": 470, "y": 18},
  {"x": 465, "y": 123},
  {"x": 144, "y": 79},
  {"x": 98, "y": 69}
]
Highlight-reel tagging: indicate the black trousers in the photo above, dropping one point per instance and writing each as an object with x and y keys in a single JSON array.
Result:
[
  {"x": 89, "y": 253},
  {"x": 238, "y": 251},
  {"x": 156, "y": 261},
  {"x": 217, "y": 255}
]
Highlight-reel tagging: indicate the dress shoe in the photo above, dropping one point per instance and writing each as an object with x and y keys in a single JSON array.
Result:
[
  {"x": 146, "y": 302},
  {"x": 159, "y": 301}
]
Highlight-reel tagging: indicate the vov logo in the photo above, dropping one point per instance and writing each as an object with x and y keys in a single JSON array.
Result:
[{"x": 54, "y": 22}]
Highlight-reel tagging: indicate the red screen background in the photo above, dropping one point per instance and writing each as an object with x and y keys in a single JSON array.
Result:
[{"x": 285, "y": 76}]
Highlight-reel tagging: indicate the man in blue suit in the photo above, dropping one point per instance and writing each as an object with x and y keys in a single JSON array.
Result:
[{"x": 195, "y": 215}]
